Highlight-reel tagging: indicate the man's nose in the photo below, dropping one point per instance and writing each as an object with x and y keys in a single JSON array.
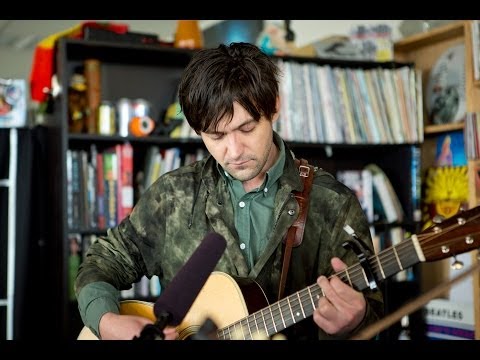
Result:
[{"x": 234, "y": 145}]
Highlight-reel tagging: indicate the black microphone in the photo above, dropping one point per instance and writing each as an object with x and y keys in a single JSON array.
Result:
[{"x": 175, "y": 301}]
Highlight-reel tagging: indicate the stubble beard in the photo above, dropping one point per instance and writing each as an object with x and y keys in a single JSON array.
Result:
[{"x": 247, "y": 173}]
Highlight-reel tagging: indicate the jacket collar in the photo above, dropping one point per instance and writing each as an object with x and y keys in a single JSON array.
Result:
[{"x": 289, "y": 178}]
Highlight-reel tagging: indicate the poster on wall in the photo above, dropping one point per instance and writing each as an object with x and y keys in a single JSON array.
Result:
[{"x": 13, "y": 103}]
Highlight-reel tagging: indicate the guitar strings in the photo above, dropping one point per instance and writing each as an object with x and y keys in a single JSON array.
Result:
[
  {"x": 276, "y": 319},
  {"x": 301, "y": 304}
]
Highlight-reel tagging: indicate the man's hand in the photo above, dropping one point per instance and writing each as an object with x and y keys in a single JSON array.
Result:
[
  {"x": 126, "y": 327},
  {"x": 342, "y": 308}
]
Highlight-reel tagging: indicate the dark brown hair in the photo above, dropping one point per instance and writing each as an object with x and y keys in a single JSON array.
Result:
[{"x": 216, "y": 78}]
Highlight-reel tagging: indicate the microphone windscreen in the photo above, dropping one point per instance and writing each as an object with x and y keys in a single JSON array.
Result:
[{"x": 179, "y": 295}]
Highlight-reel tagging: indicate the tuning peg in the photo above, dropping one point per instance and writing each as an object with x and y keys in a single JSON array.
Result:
[
  {"x": 437, "y": 219},
  {"x": 456, "y": 264}
]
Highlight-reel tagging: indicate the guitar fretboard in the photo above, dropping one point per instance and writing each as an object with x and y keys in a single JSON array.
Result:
[{"x": 300, "y": 305}]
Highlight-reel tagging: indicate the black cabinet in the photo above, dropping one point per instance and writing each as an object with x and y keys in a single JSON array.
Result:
[{"x": 24, "y": 279}]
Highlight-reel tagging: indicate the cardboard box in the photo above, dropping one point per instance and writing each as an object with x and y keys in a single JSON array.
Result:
[
  {"x": 305, "y": 51},
  {"x": 448, "y": 320},
  {"x": 13, "y": 103}
]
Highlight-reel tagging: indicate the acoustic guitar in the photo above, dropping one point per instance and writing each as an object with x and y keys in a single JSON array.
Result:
[{"x": 239, "y": 307}]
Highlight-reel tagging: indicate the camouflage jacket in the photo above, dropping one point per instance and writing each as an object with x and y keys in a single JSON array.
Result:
[{"x": 169, "y": 222}]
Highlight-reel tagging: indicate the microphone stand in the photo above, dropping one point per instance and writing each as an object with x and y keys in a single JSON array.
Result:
[
  {"x": 208, "y": 331},
  {"x": 155, "y": 331}
]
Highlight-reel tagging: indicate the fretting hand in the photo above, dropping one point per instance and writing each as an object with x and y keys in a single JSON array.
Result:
[{"x": 342, "y": 308}]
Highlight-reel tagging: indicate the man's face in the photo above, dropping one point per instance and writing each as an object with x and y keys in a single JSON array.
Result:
[{"x": 243, "y": 146}]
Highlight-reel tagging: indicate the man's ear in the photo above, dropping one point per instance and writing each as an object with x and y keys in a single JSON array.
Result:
[{"x": 277, "y": 110}]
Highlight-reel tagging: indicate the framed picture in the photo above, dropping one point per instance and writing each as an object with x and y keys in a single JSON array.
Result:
[{"x": 451, "y": 149}]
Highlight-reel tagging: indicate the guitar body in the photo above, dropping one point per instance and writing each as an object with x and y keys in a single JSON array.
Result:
[
  {"x": 223, "y": 299},
  {"x": 239, "y": 306}
]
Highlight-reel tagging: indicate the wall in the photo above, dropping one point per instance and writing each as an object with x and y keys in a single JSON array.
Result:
[
  {"x": 19, "y": 38},
  {"x": 307, "y": 31},
  {"x": 16, "y": 60},
  {"x": 15, "y": 63}
]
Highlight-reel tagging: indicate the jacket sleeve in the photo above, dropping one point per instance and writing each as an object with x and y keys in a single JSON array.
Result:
[
  {"x": 111, "y": 264},
  {"x": 114, "y": 259},
  {"x": 120, "y": 258}
]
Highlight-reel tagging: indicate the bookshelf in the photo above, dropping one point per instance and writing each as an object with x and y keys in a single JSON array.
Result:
[
  {"x": 424, "y": 49},
  {"x": 152, "y": 73}
]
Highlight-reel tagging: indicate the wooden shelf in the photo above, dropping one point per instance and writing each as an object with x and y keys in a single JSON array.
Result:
[
  {"x": 423, "y": 50},
  {"x": 433, "y": 36},
  {"x": 436, "y": 129}
]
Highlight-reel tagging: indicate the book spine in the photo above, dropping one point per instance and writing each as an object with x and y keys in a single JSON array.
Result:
[
  {"x": 92, "y": 186},
  {"x": 126, "y": 177},
  {"x": 76, "y": 194},
  {"x": 118, "y": 183},
  {"x": 69, "y": 190},
  {"x": 101, "y": 221},
  {"x": 110, "y": 173},
  {"x": 85, "y": 204},
  {"x": 416, "y": 180}
]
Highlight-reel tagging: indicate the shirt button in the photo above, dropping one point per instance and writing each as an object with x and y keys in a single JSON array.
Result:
[
  {"x": 265, "y": 190},
  {"x": 241, "y": 204},
  {"x": 291, "y": 212},
  {"x": 242, "y": 246}
]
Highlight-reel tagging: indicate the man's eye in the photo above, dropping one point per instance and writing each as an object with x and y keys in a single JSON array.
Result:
[
  {"x": 217, "y": 136},
  {"x": 248, "y": 128}
]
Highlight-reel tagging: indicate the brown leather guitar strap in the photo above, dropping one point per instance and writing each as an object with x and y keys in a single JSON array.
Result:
[{"x": 295, "y": 232}]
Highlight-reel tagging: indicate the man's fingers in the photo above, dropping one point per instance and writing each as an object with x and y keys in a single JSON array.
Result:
[
  {"x": 337, "y": 264},
  {"x": 327, "y": 290}
]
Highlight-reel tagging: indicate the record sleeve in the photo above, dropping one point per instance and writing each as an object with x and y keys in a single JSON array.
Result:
[{"x": 446, "y": 87}]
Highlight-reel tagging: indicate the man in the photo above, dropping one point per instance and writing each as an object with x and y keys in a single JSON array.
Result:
[{"x": 243, "y": 191}]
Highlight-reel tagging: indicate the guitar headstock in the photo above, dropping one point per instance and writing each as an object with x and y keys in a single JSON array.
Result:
[{"x": 453, "y": 236}]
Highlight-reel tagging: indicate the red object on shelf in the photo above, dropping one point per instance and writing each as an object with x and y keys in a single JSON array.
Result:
[{"x": 43, "y": 57}]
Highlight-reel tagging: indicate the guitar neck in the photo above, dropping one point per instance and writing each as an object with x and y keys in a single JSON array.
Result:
[{"x": 300, "y": 305}]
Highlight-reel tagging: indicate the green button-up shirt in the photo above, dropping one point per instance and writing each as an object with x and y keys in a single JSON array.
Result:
[{"x": 254, "y": 210}]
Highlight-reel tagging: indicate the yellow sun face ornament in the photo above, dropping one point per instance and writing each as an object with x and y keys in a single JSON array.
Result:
[{"x": 446, "y": 191}]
